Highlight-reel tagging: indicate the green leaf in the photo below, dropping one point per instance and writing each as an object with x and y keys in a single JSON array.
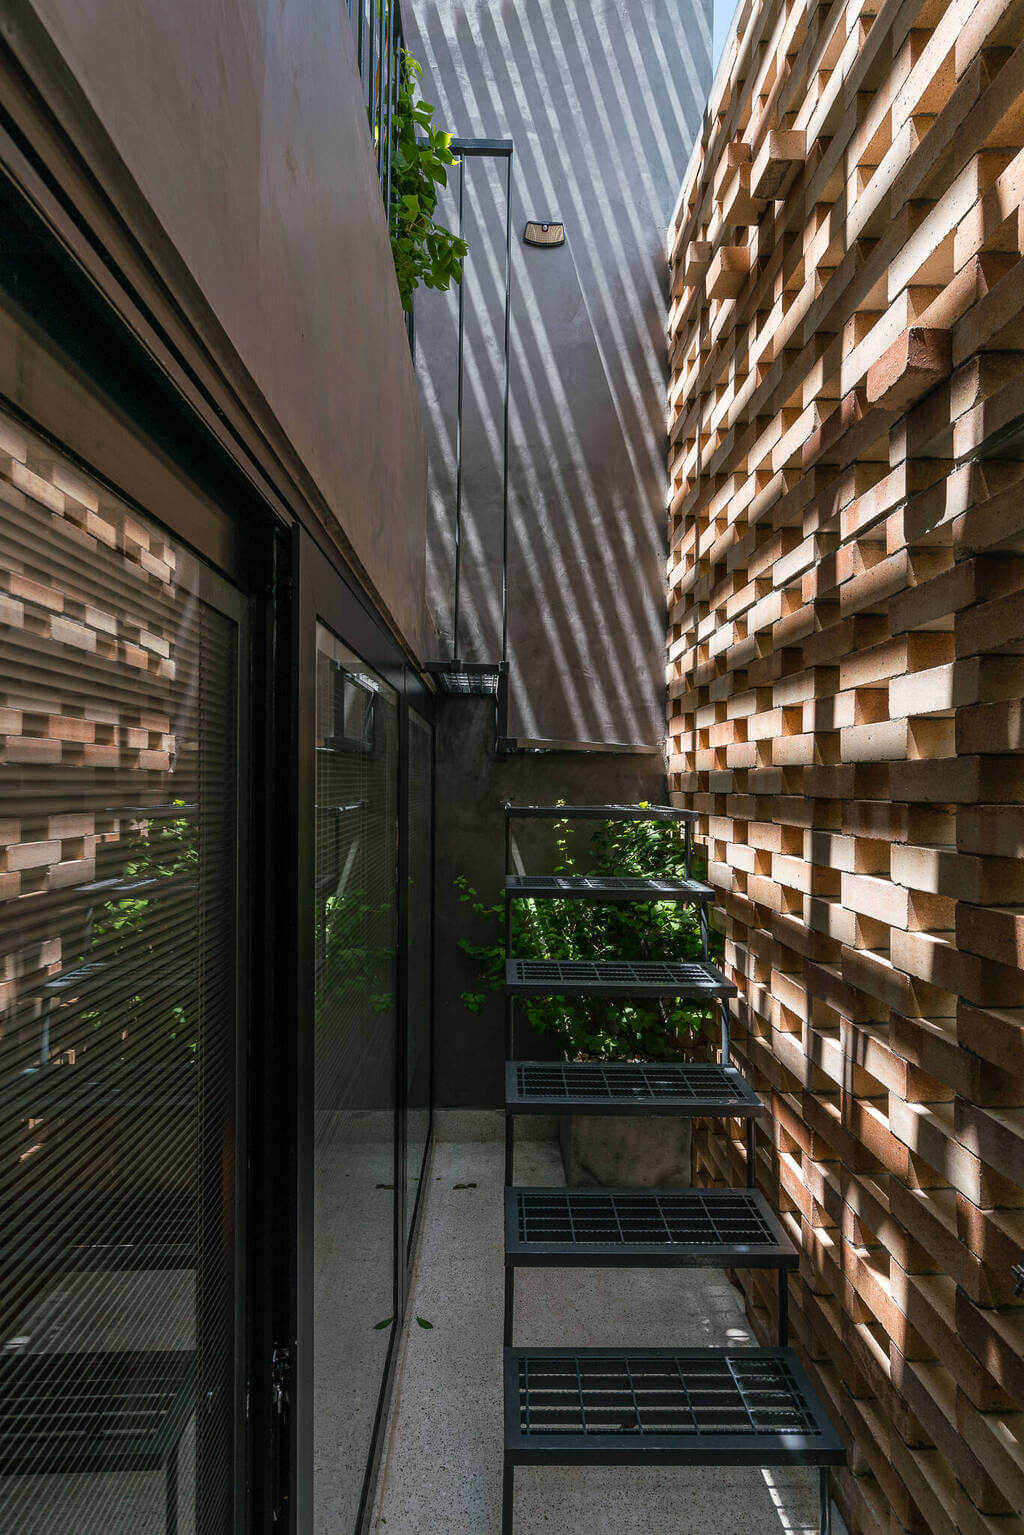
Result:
[
  {"x": 379, "y": 1326},
  {"x": 424, "y": 251},
  {"x": 421, "y": 1321}
]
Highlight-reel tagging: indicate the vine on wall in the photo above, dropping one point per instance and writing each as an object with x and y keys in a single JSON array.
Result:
[{"x": 424, "y": 250}]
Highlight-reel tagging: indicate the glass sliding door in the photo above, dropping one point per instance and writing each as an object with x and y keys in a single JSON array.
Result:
[
  {"x": 121, "y": 663},
  {"x": 420, "y": 778},
  {"x": 354, "y": 1070}
]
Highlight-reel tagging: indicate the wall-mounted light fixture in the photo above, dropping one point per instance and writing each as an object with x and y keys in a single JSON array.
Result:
[{"x": 543, "y": 233}]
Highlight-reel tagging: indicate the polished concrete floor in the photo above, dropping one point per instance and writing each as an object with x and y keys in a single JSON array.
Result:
[{"x": 442, "y": 1469}]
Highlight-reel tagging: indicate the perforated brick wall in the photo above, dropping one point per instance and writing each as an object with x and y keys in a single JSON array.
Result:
[{"x": 846, "y": 670}]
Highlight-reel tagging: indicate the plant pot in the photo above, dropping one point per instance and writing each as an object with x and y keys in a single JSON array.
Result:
[{"x": 616, "y": 1151}]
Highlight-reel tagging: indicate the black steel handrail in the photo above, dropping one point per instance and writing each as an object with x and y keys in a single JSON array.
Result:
[{"x": 380, "y": 43}]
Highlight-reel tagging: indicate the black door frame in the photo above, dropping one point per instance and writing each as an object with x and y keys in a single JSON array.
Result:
[{"x": 324, "y": 594}]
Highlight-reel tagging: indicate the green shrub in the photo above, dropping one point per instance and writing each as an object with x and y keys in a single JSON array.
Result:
[{"x": 654, "y": 930}]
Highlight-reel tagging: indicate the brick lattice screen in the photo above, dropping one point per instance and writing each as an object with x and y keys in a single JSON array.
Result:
[{"x": 846, "y": 665}]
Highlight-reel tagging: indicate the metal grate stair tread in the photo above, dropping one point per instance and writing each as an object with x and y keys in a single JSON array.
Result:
[
  {"x": 462, "y": 678},
  {"x": 600, "y": 812},
  {"x": 652, "y": 1228},
  {"x": 696, "y": 979},
  {"x": 621, "y": 1087},
  {"x": 93, "y": 1411},
  {"x": 698, "y": 1406},
  {"x": 595, "y": 887}
]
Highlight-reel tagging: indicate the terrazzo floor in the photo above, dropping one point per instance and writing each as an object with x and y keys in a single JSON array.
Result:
[{"x": 441, "y": 1472}]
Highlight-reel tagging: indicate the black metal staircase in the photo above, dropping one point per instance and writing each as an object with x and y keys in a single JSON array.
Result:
[{"x": 652, "y": 1407}]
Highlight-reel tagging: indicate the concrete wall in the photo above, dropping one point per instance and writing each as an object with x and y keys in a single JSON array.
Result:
[
  {"x": 602, "y": 101},
  {"x": 244, "y": 127},
  {"x": 847, "y": 685}
]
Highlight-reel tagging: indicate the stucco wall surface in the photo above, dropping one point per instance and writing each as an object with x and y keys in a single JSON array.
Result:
[
  {"x": 244, "y": 126},
  {"x": 602, "y": 102}
]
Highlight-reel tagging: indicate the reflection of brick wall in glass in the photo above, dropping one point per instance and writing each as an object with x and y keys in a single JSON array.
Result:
[{"x": 118, "y": 758}]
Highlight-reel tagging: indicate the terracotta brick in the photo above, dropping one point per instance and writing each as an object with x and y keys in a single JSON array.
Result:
[
  {"x": 728, "y": 271},
  {"x": 915, "y": 363},
  {"x": 850, "y": 539},
  {"x": 996, "y": 1339},
  {"x": 781, "y": 155},
  {"x": 994, "y": 932},
  {"x": 996, "y": 1035}
]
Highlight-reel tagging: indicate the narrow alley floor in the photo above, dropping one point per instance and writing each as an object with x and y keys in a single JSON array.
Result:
[{"x": 442, "y": 1457}]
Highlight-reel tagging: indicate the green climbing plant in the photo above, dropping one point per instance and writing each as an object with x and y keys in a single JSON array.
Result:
[
  {"x": 653, "y": 930},
  {"x": 424, "y": 250}
]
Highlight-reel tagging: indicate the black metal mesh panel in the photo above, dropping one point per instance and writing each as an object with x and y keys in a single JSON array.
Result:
[
  {"x": 632, "y": 1084},
  {"x": 601, "y": 813},
  {"x": 695, "y": 1218},
  {"x": 644, "y": 1395},
  {"x": 467, "y": 682},
  {"x": 119, "y": 995},
  {"x": 354, "y": 1067},
  {"x": 606, "y": 887},
  {"x": 421, "y": 787},
  {"x": 617, "y": 977}
]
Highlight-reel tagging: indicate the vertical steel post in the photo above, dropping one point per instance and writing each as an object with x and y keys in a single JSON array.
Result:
[
  {"x": 402, "y": 929},
  {"x": 751, "y": 1169},
  {"x": 510, "y": 1301},
  {"x": 504, "y": 474},
  {"x": 370, "y": 63},
  {"x": 509, "y": 1041},
  {"x": 507, "y": 1495},
  {"x": 458, "y": 418},
  {"x": 508, "y": 902},
  {"x": 388, "y": 74},
  {"x": 398, "y": 48},
  {"x": 723, "y": 1013},
  {"x": 378, "y": 85},
  {"x": 825, "y": 1500},
  {"x": 783, "y": 1308},
  {"x": 171, "y": 1492}
]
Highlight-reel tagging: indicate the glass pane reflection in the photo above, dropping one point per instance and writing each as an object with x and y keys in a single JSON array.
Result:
[
  {"x": 354, "y": 1067},
  {"x": 420, "y": 976},
  {"x": 118, "y": 997}
]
